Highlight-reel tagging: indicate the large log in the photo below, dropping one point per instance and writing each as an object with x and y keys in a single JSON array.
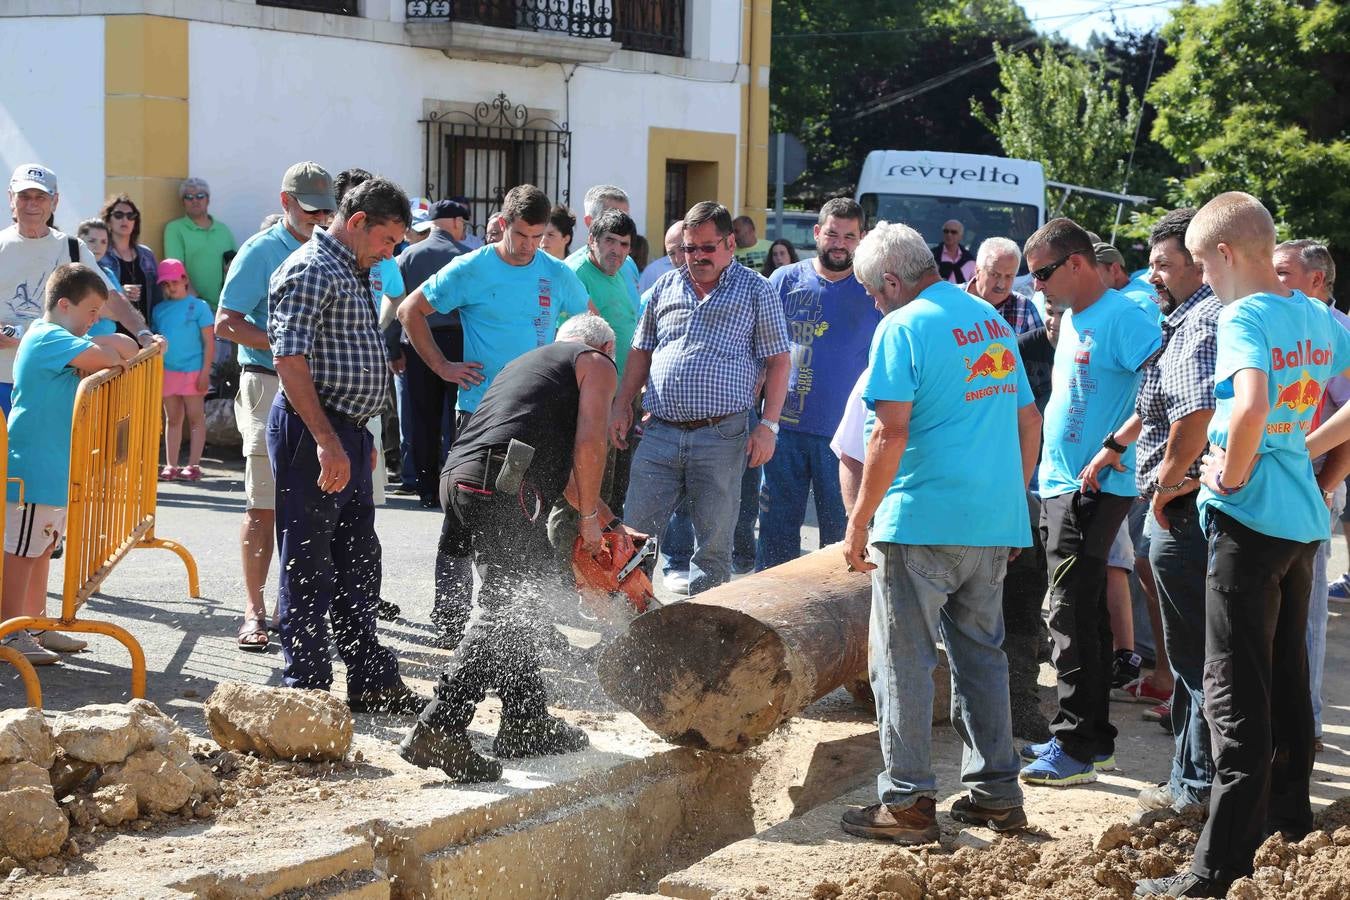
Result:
[{"x": 723, "y": 669}]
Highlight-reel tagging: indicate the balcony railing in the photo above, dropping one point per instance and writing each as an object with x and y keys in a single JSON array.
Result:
[
  {"x": 332, "y": 7},
  {"x": 654, "y": 26}
]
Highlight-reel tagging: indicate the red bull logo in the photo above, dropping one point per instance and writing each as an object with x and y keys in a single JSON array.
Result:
[
  {"x": 997, "y": 362},
  {"x": 1300, "y": 396}
]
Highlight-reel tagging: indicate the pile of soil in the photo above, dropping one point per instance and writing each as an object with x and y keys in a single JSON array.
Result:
[{"x": 1031, "y": 865}]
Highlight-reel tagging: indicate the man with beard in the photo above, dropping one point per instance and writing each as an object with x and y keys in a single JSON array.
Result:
[{"x": 830, "y": 321}]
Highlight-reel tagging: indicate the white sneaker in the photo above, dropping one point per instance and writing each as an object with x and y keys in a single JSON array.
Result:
[
  {"x": 32, "y": 651},
  {"x": 677, "y": 581},
  {"x": 60, "y": 642}
]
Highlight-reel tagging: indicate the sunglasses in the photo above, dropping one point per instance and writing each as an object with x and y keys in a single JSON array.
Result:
[
  {"x": 705, "y": 249},
  {"x": 201, "y": 195},
  {"x": 119, "y": 215},
  {"x": 1044, "y": 272}
]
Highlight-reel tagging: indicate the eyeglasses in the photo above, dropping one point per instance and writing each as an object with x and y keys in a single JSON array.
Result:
[
  {"x": 119, "y": 215},
  {"x": 705, "y": 249},
  {"x": 951, "y": 231},
  {"x": 1044, "y": 272},
  {"x": 201, "y": 195}
]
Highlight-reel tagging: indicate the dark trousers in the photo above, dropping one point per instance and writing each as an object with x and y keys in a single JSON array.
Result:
[
  {"x": 1179, "y": 556},
  {"x": 431, "y": 405},
  {"x": 1024, "y": 590},
  {"x": 330, "y": 559},
  {"x": 500, "y": 649},
  {"x": 1077, "y": 530},
  {"x": 1256, "y": 694}
]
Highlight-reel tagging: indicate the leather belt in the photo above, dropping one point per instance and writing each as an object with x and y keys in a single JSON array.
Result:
[
  {"x": 696, "y": 424},
  {"x": 333, "y": 414},
  {"x": 255, "y": 369}
]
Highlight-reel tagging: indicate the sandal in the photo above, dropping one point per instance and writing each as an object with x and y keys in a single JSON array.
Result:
[
  {"x": 168, "y": 473},
  {"x": 190, "y": 473},
  {"x": 253, "y": 636}
]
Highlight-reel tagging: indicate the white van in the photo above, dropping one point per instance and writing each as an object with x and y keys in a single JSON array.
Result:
[{"x": 989, "y": 195}]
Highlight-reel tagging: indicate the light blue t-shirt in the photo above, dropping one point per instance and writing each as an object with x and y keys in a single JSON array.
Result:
[
  {"x": 40, "y": 422},
  {"x": 505, "y": 310},
  {"x": 960, "y": 480},
  {"x": 1145, "y": 295},
  {"x": 181, "y": 322},
  {"x": 1093, "y": 386},
  {"x": 386, "y": 280},
  {"x": 245, "y": 289},
  {"x": 1299, "y": 347}
]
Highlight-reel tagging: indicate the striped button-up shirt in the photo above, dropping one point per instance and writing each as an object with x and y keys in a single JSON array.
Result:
[
  {"x": 320, "y": 307},
  {"x": 707, "y": 353},
  {"x": 1178, "y": 382}
]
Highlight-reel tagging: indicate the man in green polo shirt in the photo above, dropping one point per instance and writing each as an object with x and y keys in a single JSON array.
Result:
[
  {"x": 200, "y": 241},
  {"x": 607, "y": 247}
]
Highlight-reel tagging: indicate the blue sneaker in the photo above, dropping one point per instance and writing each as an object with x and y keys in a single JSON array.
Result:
[
  {"x": 1102, "y": 762},
  {"x": 1340, "y": 588},
  {"x": 1058, "y": 769}
]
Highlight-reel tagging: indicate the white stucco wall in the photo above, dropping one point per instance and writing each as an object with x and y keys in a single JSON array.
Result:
[
  {"x": 51, "y": 107},
  {"x": 261, "y": 100}
]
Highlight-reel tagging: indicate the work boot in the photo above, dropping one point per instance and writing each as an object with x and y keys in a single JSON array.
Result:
[
  {"x": 544, "y": 736},
  {"x": 397, "y": 700},
  {"x": 1011, "y": 818},
  {"x": 450, "y": 751},
  {"x": 914, "y": 824},
  {"x": 1028, "y": 721}
]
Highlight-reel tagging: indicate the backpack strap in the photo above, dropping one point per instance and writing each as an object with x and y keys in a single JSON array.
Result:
[{"x": 73, "y": 247}]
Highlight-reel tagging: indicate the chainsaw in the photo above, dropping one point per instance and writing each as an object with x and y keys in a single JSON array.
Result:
[{"x": 615, "y": 583}]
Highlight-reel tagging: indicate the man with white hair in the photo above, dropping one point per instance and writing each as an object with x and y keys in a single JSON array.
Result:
[
  {"x": 996, "y": 265},
  {"x": 952, "y": 446},
  {"x": 556, "y": 399},
  {"x": 199, "y": 240}
]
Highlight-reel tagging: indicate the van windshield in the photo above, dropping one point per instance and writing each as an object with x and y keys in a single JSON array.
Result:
[{"x": 980, "y": 218}]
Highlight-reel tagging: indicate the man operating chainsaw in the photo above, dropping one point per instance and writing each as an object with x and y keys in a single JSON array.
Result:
[{"x": 537, "y": 435}]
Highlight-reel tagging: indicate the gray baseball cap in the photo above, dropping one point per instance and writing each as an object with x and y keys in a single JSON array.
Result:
[
  {"x": 32, "y": 175},
  {"x": 1106, "y": 254},
  {"x": 311, "y": 185}
]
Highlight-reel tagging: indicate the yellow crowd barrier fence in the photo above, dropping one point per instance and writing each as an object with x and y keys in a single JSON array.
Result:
[{"x": 114, "y": 487}]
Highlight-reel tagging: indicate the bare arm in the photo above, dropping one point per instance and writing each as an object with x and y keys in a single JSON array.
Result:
[
  {"x": 850, "y": 479},
  {"x": 1029, "y": 436},
  {"x": 120, "y": 310},
  {"x": 635, "y": 371},
  {"x": 887, "y": 445},
  {"x": 232, "y": 326},
  {"x": 1127, "y": 434},
  {"x": 597, "y": 378},
  {"x": 1251, "y": 408},
  {"x": 760, "y": 447},
  {"x": 412, "y": 315}
]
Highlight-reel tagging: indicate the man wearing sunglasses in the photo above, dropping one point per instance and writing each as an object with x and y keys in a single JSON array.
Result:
[
  {"x": 1105, "y": 340},
  {"x": 954, "y": 260},
  {"x": 199, "y": 240},
  {"x": 703, "y": 343}
]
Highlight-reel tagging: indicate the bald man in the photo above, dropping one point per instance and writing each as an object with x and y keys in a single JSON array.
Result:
[{"x": 673, "y": 259}]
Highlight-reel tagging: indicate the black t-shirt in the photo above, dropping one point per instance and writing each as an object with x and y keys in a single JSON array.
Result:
[
  {"x": 424, "y": 259},
  {"x": 534, "y": 399},
  {"x": 1038, "y": 357}
]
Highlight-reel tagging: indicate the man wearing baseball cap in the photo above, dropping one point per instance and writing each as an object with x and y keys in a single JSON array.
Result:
[
  {"x": 306, "y": 200},
  {"x": 30, "y": 250},
  {"x": 1111, "y": 266}
]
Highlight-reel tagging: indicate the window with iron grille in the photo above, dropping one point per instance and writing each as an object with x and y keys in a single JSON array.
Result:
[
  {"x": 481, "y": 155},
  {"x": 653, "y": 26}
]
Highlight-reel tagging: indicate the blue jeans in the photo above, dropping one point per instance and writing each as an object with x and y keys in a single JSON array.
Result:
[
  {"x": 703, "y": 466},
  {"x": 1178, "y": 557},
  {"x": 678, "y": 541},
  {"x": 918, "y": 593},
  {"x": 1317, "y": 631},
  {"x": 801, "y": 464},
  {"x": 407, "y": 469}
]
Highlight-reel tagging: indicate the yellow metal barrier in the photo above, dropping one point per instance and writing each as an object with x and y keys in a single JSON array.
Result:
[{"x": 114, "y": 486}]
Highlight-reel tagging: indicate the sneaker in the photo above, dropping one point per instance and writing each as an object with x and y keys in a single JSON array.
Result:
[
  {"x": 1102, "y": 762},
  {"x": 1125, "y": 668},
  {"x": 1160, "y": 712},
  {"x": 32, "y": 651},
  {"x": 395, "y": 701},
  {"x": 914, "y": 824},
  {"x": 1339, "y": 589},
  {"x": 404, "y": 490},
  {"x": 1157, "y": 796},
  {"x": 677, "y": 581},
  {"x": 1187, "y": 884},
  {"x": 1013, "y": 818},
  {"x": 544, "y": 736},
  {"x": 1140, "y": 690},
  {"x": 1058, "y": 769},
  {"x": 58, "y": 642},
  {"x": 449, "y": 751}
]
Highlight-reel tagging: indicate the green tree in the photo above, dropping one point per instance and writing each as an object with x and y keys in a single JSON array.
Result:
[
  {"x": 1069, "y": 114},
  {"x": 1259, "y": 101}
]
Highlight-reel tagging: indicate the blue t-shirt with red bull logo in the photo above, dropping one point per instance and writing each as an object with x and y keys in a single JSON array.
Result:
[
  {"x": 1299, "y": 347},
  {"x": 1092, "y": 391},
  {"x": 960, "y": 480}
]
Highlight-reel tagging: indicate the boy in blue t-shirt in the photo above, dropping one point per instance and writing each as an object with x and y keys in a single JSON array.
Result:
[
  {"x": 51, "y": 358},
  {"x": 1264, "y": 515}
]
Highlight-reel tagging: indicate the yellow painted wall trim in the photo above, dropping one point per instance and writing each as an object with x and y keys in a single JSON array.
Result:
[
  {"x": 146, "y": 116},
  {"x": 713, "y": 180},
  {"x": 756, "y": 53}
]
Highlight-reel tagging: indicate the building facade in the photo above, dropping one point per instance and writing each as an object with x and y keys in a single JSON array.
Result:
[{"x": 666, "y": 98}]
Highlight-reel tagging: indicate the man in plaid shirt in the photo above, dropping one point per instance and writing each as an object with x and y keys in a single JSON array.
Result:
[
  {"x": 330, "y": 357},
  {"x": 1172, "y": 413},
  {"x": 708, "y": 334},
  {"x": 995, "y": 268}
]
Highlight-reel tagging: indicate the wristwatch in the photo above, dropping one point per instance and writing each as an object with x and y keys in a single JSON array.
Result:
[
  {"x": 1110, "y": 443},
  {"x": 772, "y": 426}
]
